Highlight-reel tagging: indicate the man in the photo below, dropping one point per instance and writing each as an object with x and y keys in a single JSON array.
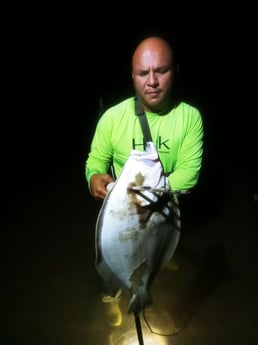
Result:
[{"x": 176, "y": 129}]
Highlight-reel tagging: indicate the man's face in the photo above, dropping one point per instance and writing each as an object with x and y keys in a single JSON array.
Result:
[{"x": 152, "y": 75}]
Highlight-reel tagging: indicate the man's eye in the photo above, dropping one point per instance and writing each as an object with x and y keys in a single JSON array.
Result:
[
  {"x": 143, "y": 73},
  {"x": 162, "y": 70}
]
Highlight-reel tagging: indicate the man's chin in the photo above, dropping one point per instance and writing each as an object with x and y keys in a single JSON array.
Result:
[{"x": 154, "y": 105}]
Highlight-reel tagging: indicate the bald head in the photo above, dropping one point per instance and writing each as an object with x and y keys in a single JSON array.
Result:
[
  {"x": 153, "y": 73},
  {"x": 150, "y": 46}
]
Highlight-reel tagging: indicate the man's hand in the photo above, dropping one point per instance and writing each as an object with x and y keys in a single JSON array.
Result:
[{"x": 98, "y": 185}]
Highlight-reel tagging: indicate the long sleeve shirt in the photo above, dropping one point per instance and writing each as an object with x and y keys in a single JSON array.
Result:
[{"x": 177, "y": 135}]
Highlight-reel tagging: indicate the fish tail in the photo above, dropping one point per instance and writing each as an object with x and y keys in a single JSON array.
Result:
[{"x": 139, "y": 301}]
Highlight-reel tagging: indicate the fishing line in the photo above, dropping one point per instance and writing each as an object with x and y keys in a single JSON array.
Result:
[{"x": 160, "y": 333}]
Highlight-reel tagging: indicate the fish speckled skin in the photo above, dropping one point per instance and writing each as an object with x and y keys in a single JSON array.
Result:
[{"x": 137, "y": 228}]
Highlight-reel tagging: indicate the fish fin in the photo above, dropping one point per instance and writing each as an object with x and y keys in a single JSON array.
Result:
[{"x": 139, "y": 301}]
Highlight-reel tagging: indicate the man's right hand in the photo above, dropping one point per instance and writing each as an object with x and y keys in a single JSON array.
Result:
[{"x": 98, "y": 185}]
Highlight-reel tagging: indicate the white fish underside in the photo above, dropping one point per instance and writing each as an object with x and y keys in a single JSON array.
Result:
[{"x": 138, "y": 227}]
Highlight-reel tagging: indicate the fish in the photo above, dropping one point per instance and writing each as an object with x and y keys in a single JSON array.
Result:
[{"x": 137, "y": 228}]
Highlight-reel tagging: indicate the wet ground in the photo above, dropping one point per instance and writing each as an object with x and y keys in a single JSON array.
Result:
[{"x": 51, "y": 291}]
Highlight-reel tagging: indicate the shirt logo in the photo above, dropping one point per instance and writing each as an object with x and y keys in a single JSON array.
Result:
[{"x": 161, "y": 144}]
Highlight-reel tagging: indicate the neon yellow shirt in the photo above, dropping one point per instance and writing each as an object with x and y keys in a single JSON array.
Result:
[{"x": 177, "y": 135}]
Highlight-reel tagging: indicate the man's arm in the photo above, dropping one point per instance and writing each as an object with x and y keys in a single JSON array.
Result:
[{"x": 189, "y": 160}]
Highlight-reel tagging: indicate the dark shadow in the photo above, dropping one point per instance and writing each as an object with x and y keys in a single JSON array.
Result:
[
  {"x": 189, "y": 289},
  {"x": 212, "y": 271}
]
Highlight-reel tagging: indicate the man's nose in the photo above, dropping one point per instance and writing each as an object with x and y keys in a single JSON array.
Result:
[{"x": 152, "y": 78}]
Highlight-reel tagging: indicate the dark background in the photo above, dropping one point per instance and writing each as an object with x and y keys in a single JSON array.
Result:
[{"x": 57, "y": 62}]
